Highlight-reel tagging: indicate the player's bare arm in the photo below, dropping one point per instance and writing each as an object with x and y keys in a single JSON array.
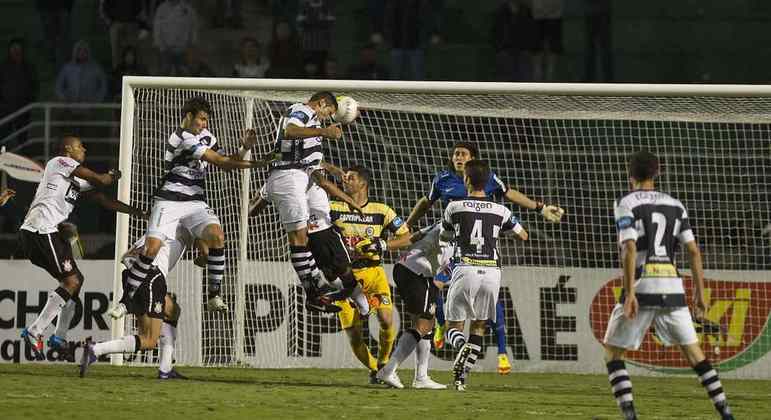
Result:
[
  {"x": 115, "y": 205},
  {"x": 420, "y": 209},
  {"x": 229, "y": 163},
  {"x": 332, "y": 131},
  {"x": 6, "y": 195},
  {"x": 332, "y": 189},
  {"x": 628, "y": 259},
  {"x": 94, "y": 178},
  {"x": 697, "y": 272}
]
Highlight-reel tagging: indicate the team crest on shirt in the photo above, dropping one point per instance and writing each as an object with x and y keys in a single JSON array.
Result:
[
  {"x": 66, "y": 265},
  {"x": 369, "y": 231},
  {"x": 158, "y": 307}
]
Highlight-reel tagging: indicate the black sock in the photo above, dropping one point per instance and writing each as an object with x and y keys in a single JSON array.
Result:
[
  {"x": 215, "y": 267},
  {"x": 711, "y": 382}
]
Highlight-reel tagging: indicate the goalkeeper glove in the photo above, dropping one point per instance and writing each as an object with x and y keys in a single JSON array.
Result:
[
  {"x": 551, "y": 213},
  {"x": 115, "y": 174},
  {"x": 371, "y": 246}
]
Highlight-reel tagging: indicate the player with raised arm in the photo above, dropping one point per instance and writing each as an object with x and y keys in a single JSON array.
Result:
[
  {"x": 64, "y": 180},
  {"x": 368, "y": 234},
  {"x": 413, "y": 275},
  {"x": 448, "y": 185},
  {"x": 650, "y": 225},
  {"x": 299, "y": 144},
  {"x": 181, "y": 198},
  {"x": 156, "y": 310},
  {"x": 473, "y": 225}
]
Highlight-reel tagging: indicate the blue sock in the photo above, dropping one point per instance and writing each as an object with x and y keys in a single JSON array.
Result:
[
  {"x": 500, "y": 328},
  {"x": 439, "y": 309}
]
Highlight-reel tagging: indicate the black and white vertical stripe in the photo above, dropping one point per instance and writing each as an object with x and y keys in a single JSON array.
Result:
[
  {"x": 620, "y": 383},
  {"x": 215, "y": 269},
  {"x": 711, "y": 382},
  {"x": 456, "y": 338},
  {"x": 138, "y": 273},
  {"x": 303, "y": 262}
]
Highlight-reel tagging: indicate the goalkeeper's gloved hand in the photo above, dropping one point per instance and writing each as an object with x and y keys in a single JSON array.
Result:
[
  {"x": 115, "y": 174},
  {"x": 551, "y": 213},
  {"x": 371, "y": 246}
]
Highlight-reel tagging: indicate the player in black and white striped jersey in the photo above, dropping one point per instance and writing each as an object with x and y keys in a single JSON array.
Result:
[
  {"x": 181, "y": 198},
  {"x": 300, "y": 163},
  {"x": 650, "y": 226},
  {"x": 473, "y": 225}
]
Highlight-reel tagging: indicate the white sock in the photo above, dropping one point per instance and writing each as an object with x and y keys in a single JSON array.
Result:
[
  {"x": 65, "y": 318},
  {"x": 360, "y": 300},
  {"x": 422, "y": 356},
  {"x": 125, "y": 344},
  {"x": 168, "y": 336},
  {"x": 52, "y": 308},
  {"x": 404, "y": 349}
]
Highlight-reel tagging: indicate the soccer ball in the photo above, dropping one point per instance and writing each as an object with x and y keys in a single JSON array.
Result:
[{"x": 347, "y": 110}]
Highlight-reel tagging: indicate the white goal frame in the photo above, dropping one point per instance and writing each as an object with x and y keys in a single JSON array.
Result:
[{"x": 130, "y": 83}]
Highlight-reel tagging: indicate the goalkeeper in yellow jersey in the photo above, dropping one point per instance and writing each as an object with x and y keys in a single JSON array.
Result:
[{"x": 366, "y": 235}]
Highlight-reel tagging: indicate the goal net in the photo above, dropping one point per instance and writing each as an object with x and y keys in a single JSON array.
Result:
[{"x": 562, "y": 144}]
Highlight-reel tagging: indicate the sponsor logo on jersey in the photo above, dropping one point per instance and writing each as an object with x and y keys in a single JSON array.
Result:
[
  {"x": 734, "y": 332},
  {"x": 66, "y": 265},
  {"x": 357, "y": 218},
  {"x": 478, "y": 205}
]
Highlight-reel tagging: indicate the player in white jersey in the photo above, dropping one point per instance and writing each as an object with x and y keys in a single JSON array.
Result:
[
  {"x": 299, "y": 144},
  {"x": 650, "y": 226},
  {"x": 181, "y": 199},
  {"x": 64, "y": 180},
  {"x": 473, "y": 224},
  {"x": 156, "y": 310},
  {"x": 413, "y": 275}
]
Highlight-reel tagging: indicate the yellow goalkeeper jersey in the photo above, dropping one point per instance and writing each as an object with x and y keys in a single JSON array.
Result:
[{"x": 377, "y": 221}]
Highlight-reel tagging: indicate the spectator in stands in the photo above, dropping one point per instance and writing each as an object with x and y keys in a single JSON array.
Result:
[
  {"x": 513, "y": 40},
  {"x": 18, "y": 87},
  {"x": 251, "y": 62},
  {"x": 368, "y": 68},
  {"x": 82, "y": 79},
  {"x": 413, "y": 25},
  {"x": 548, "y": 23},
  {"x": 598, "y": 41},
  {"x": 314, "y": 21},
  {"x": 228, "y": 13},
  {"x": 55, "y": 21},
  {"x": 125, "y": 20},
  {"x": 285, "y": 59},
  {"x": 128, "y": 66},
  {"x": 194, "y": 66},
  {"x": 175, "y": 29},
  {"x": 311, "y": 70}
]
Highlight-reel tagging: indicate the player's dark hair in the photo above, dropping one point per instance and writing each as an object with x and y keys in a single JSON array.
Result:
[
  {"x": 643, "y": 165},
  {"x": 327, "y": 96},
  {"x": 196, "y": 104},
  {"x": 471, "y": 147},
  {"x": 478, "y": 173},
  {"x": 363, "y": 173}
]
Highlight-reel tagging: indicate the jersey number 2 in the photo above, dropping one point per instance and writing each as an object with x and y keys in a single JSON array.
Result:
[{"x": 661, "y": 226}]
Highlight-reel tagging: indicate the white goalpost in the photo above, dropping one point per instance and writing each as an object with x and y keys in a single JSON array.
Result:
[{"x": 561, "y": 143}]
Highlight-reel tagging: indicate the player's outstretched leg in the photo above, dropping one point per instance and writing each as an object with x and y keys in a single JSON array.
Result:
[
  {"x": 58, "y": 341},
  {"x": 57, "y": 300}
]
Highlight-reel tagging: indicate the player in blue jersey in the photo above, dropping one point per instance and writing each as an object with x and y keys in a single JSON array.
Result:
[{"x": 448, "y": 186}]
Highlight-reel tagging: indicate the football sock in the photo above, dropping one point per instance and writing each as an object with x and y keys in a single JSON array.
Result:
[
  {"x": 404, "y": 348},
  {"x": 138, "y": 273},
  {"x": 500, "y": 328},
  {"x": 168, "y": 336},
  {"x": 56, "y": 301},
  {"x": 475, "y": 344},
  {"x": 125, "y": 344},
  {"x": 455, "y": 337},
  {"x": 360, "y": 299},
  {"x": 304, "y": 265},
  {"x": 65, "y": 319},
  {"x": 386, "y": 344},
  {"x": 620, "y": 383},
  {"x": 711, "y": 382},
  {"x": 215, "y": 267},
  {"x": 422, "y": 356},
  {"x": 361, "y": 351}
]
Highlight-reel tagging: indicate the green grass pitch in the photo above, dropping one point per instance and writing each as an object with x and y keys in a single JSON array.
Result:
[{"x": 47, "y": 391}]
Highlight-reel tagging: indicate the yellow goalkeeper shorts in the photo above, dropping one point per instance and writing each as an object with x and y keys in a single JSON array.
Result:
[{"x": 374, "y": 283}]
